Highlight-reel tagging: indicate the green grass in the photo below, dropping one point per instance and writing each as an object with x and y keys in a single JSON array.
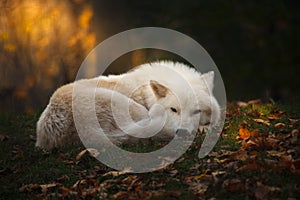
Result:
[{"x": 22, "y": 164}]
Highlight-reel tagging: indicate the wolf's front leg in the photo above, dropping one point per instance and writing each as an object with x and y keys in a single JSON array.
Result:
[{"x": 149, "y": 126}]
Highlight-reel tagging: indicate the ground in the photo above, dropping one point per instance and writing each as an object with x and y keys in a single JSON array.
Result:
[{"x": 257, "y": 157}]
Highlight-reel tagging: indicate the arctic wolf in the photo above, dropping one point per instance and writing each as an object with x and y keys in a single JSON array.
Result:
[{"x": 160, "y": 99}]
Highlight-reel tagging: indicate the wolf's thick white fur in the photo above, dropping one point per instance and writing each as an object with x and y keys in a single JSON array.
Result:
[{"x": 146, "y": 89}]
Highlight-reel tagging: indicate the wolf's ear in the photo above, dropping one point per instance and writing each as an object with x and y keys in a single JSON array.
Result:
[
  {"x": 158, "y": 89},
  {"x": 209, "y": 79}
]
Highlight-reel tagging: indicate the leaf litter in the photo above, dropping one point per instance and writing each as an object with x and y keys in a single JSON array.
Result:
[{"x": 260, "y": 143}]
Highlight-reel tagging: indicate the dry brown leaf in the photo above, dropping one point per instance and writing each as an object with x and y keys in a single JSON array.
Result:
[
  {"x": 242, "y": 104},
  {"x": 241, "y": 155},
  {"x": 275, "y": 114},
  {"x": 294, "y": 121},
  {"x": 173, "y": 172},
  {"x": 270, "y": 143},
  {"x": 29, "y": 187},
  {"x": 234, "y": 185},
  {"x": 180, "y": 160},
  {"x": 286, "y": 158},
  {"x": 296, "y": 164},
  {"x": 261, "y": 192},
  {"x": 270, "y": 163},
  {"x": 247, "y": 144},
  {"x": 197, "y": 177},
  {"x": 261, "y": 121},
  {"x": 117, "y": 173},
  {"x": 75, "y": 185},
  {"x": 218, "y": 175},
  {"x": 165, "y": 193},
  {"x": 275, "y": 153},
  {"x": 198, "y": 188},
  {"x": 251, "y": 166},
  {"x": 121, "y": 194},
  {"x": 255, "y": 101},
  {"x": 129, "y": 179},
  {"x": 280, "y": 125},
  {"x": 3, "y": 137},
  {"x": 295, "y": 132},
  {"x": 45, "y": 187},
  {"x": 64, "y": 191},
  {"x": 81, "y": 154}
]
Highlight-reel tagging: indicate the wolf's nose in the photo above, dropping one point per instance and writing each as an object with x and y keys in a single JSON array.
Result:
[{"x": 182, "y": 132}]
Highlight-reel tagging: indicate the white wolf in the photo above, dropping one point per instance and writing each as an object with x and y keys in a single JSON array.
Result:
[{"x": 125, "y": 104}]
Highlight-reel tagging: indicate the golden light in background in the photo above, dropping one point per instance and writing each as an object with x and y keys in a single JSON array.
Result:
[{"x": 42, "y": 43}]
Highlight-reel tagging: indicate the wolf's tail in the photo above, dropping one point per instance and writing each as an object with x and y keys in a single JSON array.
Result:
[{"x": 52, "y": 128}]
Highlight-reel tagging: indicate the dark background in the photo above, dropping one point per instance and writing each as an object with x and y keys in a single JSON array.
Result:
[{"x": 255, "y": 44}]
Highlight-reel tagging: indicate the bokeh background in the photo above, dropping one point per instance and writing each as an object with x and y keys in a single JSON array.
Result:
[{"x": 255, "y": 44}]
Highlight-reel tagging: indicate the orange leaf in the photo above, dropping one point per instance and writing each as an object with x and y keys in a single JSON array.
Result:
[{"x": 244, "y": 133}]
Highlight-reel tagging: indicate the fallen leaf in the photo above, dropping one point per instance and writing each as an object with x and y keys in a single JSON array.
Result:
[
  {"x": 164, "y": 193},
  {"x": 121, "y": 194},
  {"x": 180, "y": 160},
  {"x": 242, "y": 104},
  {"x": 218, "y": 175},
  {"x": 173, "y": 172},
  {"x": 279, "y": 125},
  {"x": 241, "y": 155},
  {"x": 296, "y": 164},
  {"x": 251, "y": 166},
  {"x": 255, "y": 101},
  {"x": 295, "y": 132},
  {"x": 3, "y": 137},
  {"x": 294, "y": 121},
  {"x": 275, "y": 114},
  {"x": 81, "y": 154},
  {"x": 245, "y": 133},
  {"x": 234, "y": 185},
  {"x": 261, "y": 121},
  {"x": 29, "y": 187},
  {"x": 64, "y": 191},
  {"x": 197, "y": 177},
  {"x": 199, "y": 188},
  {"x": 117, "y": 173},
  {"x": 275, "y": 153},
  {"x": 270, "y": 143},
  {"x": 261, "y": 192},
  {"x": 47, "y": 186}
]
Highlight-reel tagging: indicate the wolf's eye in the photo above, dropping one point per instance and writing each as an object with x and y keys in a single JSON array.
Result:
[
  {"x": 173, "y": 109},
  {"x": 197, "y": 112}
]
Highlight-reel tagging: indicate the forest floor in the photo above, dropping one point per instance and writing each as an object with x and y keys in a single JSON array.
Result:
[{"x": 256, "y": 157}]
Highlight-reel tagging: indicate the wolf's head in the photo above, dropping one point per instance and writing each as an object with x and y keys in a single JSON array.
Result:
[{"x": 187, "y": 108}]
